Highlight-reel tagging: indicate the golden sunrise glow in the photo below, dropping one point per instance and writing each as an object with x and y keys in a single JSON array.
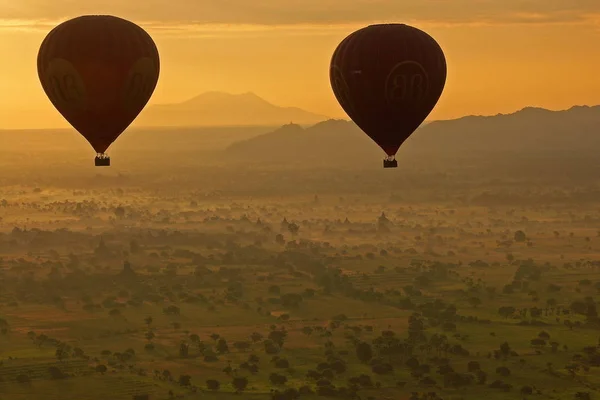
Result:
[{"x": 497, "y": 62}]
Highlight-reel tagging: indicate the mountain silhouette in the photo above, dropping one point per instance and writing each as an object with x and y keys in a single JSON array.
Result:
[
  {"x": 325, "y": 140},
  {"x": 530, "y": 130},
  {"x": 224, "y": 109}
]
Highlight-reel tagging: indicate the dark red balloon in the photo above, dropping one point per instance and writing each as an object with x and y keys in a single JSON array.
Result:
[
  {"x": 388, "y": 78},
  {"x": 99, "y": 71}
]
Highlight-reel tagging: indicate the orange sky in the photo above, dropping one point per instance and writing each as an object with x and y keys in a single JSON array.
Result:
[{"x": 502, "y": 55}]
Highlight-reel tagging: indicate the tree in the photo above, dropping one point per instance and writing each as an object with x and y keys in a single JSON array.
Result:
[
  {"x": 222, "y": 346},
  {"x": 473, "y": 366},
  {"x": 314, "y": 375},
  {"x": 579, "y": 307},
  {"x": 526, "y": 390},
  {"x": 569, "y": 324},
  {"x": 412, "y": 363},
  {"x": 307, "y": 330},
  {"x": 253, "y": 358},
  {"x": 277, "y": 379},
  {"x": 213, "y": 384},
  {"x": 572, "y": 369},
  {"x": 55, "y": 373},
  {"x": 293, "y": 228},
  {"x": 582, "y": 396},
  {"x": 292, "y": 300},
  {"x": 271, "y": 347},
  {"x": 364, "y": 381},
  {"x": 505, "y": 349},
  {"x": 185, "y": 380},
  {"x": 78, "y": 352},
  {"x": 62, "y": 352},
  {"x": 535, "y": 312},
  {"x": 506, "y": 311},
  {"x": 520, "y": 236},
  {"x": 119, "y": 212},
  {"x": 101, "y": 368},
  {"x": 538, "y": 342},
  {"x": 41, "y": 339},
  {"x": 184, "y": 350},
  {"x": 4, "y": 326},
  {"x": 382, "y": 369},
  {"x": 242, "y": 345},
  {"x": 481, "y": 377},
  {"x": 194, "y": 338},
  {"x": 364, "y": 352},
  {"x": 338, "y": 366},
  {"x": 167, "y": 375},
  {"x": 115, "y": 312},
  {"x": 449, "y": 326},
  {"x": 284, "y": 317},
  {"x": 149, "y": 336},
  {"x": 282, "y": 363},
  {"x": 239, "y": 383},
  {"x": 256, "y": 337},
  {"x": 474, "y": 301},
  {"x": 172, "y": 310},
  {"x": 278, "y": 336}
]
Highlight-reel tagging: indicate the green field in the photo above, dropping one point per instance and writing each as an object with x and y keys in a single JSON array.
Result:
[{"x": 127, "y": 286}]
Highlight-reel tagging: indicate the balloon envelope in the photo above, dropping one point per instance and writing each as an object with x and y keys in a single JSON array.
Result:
[
  {"x": 388, "y": 78},
  {"x": 99, "y": 72}
]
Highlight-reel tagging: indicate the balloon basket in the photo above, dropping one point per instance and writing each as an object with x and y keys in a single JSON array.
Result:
[
  {"x": 390, "y": 163},
  {"x": 102, "y": 161}
]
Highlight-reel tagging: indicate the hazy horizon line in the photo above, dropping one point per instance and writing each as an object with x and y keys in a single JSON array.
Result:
[{"x": 181, "y": 127}]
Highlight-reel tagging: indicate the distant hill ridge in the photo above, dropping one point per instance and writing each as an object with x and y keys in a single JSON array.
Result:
[
  {"x": 527, "y": 131},
  {"x": 531, "y": 129},
  {"x": 225, "y": 109}
]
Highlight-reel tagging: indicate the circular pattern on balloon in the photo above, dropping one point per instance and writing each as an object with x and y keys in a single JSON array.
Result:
[
  {"x": 341, "y": 88},
  {"x": 407, "y": 84},
  {"x": 139, "y": 85},
  {"x": 64, "y": 86}
]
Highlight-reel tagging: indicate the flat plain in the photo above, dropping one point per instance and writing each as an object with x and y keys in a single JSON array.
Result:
[{"x": 215, "y": 280}]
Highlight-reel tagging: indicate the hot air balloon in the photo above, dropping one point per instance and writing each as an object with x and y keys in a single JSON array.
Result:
[
  {"x": 99, "y": 71},
  {"x": 388, "y": 78}
]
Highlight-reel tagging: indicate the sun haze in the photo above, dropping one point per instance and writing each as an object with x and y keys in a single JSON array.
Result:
[
  {"x": 501, "y": 56},
  {"x": 244, "y": 239}
]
